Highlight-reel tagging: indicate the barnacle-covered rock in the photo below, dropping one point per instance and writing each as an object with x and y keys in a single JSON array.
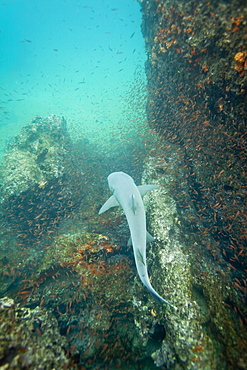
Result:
[
  {"x": 40, "y": 183},
  {"x": 88, "y": 285},
  {"x": 185, "y": 275},
  {"x": 35, "y": 156},
  {"x": 171, "y": 271},
  {"x": 94, "y": 260},
  {"x": 197, "y": 105},
  {"x": 30, "y": 339},
  {"x": 197, "y": 100}
]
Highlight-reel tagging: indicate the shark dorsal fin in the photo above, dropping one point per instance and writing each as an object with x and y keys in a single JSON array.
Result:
[{"x": 133, "y": 203}]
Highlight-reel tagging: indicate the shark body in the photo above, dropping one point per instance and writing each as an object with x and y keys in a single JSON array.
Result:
[{"x": 129, "y": 196}]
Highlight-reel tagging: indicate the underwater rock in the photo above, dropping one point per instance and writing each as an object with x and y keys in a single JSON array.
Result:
[
  {"x": 164, "y": 356},
  {"x": 197, "y": 84},
  {"x": 39, "y": 182},
  {"x": 171, "y": 271},
  {"x": 34, "y": 157},
  {"x": 87, "y": 285},
  {"x": 30, "y": 339},
  {"x": 202, "y": 330}
]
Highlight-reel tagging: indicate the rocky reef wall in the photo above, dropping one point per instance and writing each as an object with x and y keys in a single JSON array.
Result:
[
  {"x": 197, "y": 86},
  {"x": 197, "y": 81}
]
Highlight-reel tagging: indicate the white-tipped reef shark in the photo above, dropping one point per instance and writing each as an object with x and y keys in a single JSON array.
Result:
[{"x": 129, "y": 196}]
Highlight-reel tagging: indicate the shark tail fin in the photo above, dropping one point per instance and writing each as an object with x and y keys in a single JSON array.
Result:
[{"x": 158, "y": 299}]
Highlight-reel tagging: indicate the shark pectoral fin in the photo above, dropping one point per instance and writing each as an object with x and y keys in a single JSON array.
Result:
[
  {"x": 143, "y": 189},
  {"x": 149, "y": 237},
  {"x": 111, "y": 202},
  {"x": 129, "y": 242}
]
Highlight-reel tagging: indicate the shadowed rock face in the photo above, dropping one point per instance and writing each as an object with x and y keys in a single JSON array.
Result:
[
  {"x": 197, "y": 100},
  {"x": 30, "y": 338},
  {"x": 37, "y": 190},
  {"x": 197, "y": 83}
]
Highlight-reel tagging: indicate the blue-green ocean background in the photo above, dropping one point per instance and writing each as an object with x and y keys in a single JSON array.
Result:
[{"x": 83, "y": 60}]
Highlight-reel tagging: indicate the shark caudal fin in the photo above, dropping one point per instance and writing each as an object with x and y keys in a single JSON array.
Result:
[
  {"x": 156, "y": 295},
  {"x": 161, "y": 300}
]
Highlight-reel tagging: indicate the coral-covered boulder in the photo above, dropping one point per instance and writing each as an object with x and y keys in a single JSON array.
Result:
[{"x": 40, "y": 183}]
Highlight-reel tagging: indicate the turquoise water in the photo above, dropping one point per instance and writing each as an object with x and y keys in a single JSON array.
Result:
[{"x": 83, "y": 60}]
